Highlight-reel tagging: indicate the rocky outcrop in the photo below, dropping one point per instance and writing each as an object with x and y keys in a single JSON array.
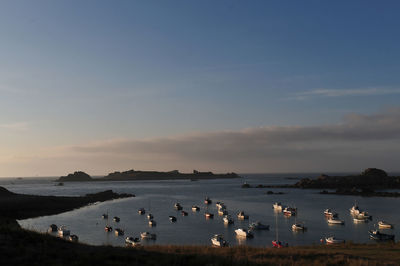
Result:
[{"x": 76, "y": 176}]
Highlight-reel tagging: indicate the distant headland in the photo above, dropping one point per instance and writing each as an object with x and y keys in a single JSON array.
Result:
[{"x": 145, "y": 175}]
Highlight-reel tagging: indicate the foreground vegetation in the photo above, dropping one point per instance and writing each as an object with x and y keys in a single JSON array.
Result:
[{"x": 22, "y": 247}]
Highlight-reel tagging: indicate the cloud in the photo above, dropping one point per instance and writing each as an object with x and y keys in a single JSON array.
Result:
[
  {"x": 367, "y": 138},
  {"x": 343, "y": 93},
  {"x": 17, "y": 126}
]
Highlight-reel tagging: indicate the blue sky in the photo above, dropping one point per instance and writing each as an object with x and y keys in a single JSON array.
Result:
[{"x": 83, "y": 72}]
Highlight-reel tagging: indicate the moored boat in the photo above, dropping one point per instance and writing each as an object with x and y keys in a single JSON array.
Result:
[
  {"x": 258, "y": 226},
  {"x": 277, "y": 206},
  {"x": 152, "y": 223},
  {"x": 132, "y": 241},
  {"x": 52, "y": 228},
  {"x": 184, "y": 213},
  {"x": 222, "y": 211},
  {"x": 195, "y": 208},
  {"x": 207, "y": 200},
  {"x": 208, "y": 215},
  {"x": 355, "y": 210},
  {"x": 116, "y": 219},
  {"x": 150, "y": 216},
  {"x": 119, "y": 232},
  {"x": 333, "y": 240},
  {"x": 141, "y": 211},
  {"x": 384, "y": 225},
  {"x": 63, "y": 231},
  {"x": 376, "y": 235},
  {"x": 242, "y": 216},
  {"x": 241, "y": 232},
  {"x": 329, "y": 213},
  {"x": 289, "y": 211},
  {"x": 298, "y": 227},
  {"x": 228, "y": 219},
  {"x": 172, "y": 218},
  {"x": 178, "y": 206},
  {"x": 278, "y": 244},
  {"x": 147, "y": 235},
  {"x": 218, "y": 241},
  {"x": 334, "y": 220},
  {"x": 360, "y": 220},
  {"x": 73, "y": 238},
  {"x": 104, "y": 216},
  {"x": 108, "y": 228}
]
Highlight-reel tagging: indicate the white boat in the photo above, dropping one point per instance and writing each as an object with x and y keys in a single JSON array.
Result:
[
  {"x": 364, "y": 215},
  {"x": 354, "y": 210},
  {"x": 334, "y": 220},
  {"x": 384, "y": 225},
  {"x": 242, "y": 216},
  {"x": 333, "y": 240},
  {"x": 172, "y": 218},
  {"x": 147, "y": 235},
  {"x": 63, "y": 231},
  {"x": 360, "y": 220},
  {"x": 298, "y": 227},
  {"x": 258, "y": 226},
  {"x": 73, "y": 238},
  {"x": 52, "y": 228},
  {"x": 330, "y": 213},
  {"x": 178, "y": 206},
  {"x": 227, "y": 219},
  {"x": 119, "y": 232},
  {"x": 108, "y": 228},
  {"x": 195, "y": 208},
  {"x": 289, "y": 211},
  {"x": 277, "y": 206},
  {"x": 104, "y": 216},
  {"x": 208, "y": 215},
  {"x": 241, "y": 232},
  {"x": 141, "y": 211},
  {"x": 131, "y": 241},
  {"x": 150, "y": 216},
  {"x": 152, "y": 223},
  {"x": 222, "y": 211},
  {"x": 220, "y": 205},
  {"x": 116, "y": 219},
  {"x": 218, "y": 241}
]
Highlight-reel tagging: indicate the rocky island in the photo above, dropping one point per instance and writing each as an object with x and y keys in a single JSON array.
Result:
[{"x": 146, "y": 175}]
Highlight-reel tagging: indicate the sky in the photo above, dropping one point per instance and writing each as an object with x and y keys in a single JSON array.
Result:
[{"x": 243, "y": 86}]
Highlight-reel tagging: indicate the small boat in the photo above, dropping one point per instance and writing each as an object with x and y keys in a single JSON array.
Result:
[
  {"x": 288, "y": 211},
  {"x": 228, "y": 219},
  {"x": 141, "y": 211},
  {"x": 119, "y": 232},
  {"x": 279, "y": 244},
  {"x": 178, "y": 206},
  {"x": 184, "y": 213},
  {"x": 116, "y": 219},
  {"x": 63, "y": 231},
  {"x": 147, "y": 235},
  {"x": 207, "y": 200},
  {"x": 152, "y": 223},
  {"x": 364, "y": 215},
  {"x": 108, "y": 228},
  {"x": 242, "y": 216},
  {"x": 222, "y": 211},
  {"x": 73, "y": 238},
  {"x": 195, "y": 208},
  {"x": 52, "y": 228},
  {"x": 376, "y": 235},
  {"x": 218, "y": 241},
  {"x": 330, "y": 213},
  {"x": 220, "y": 205},
  {"x": 355, "y": 210},
  {"x": 104, "y": 216},
  {"x": 277, "y": 206},
  {"x": 241, "y": 232},
  {"x": 384, "y": 225},
  {"x": 150, "y": 216},
  {"x": 360, "y": 220},
  {"x": 258, "y": 226},
  {"x": 172, "y": 218},
  {"x": 333, "y": 220},
  {"x": 298, "y": 227},
  {"x": 208, "y": 215},
  {"x": 333, "y": 240},
  {"x": 131, "y": 241}
]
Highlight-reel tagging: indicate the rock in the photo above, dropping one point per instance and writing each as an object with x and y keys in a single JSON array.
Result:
[
  {"x": 76, "y": 176},
  {"x": 374, "y": 172}
]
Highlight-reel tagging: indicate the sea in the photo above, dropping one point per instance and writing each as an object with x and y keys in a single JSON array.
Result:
[{"x": 159, "y": 197}]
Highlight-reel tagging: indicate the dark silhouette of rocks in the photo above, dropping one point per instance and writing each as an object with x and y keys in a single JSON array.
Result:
[
  {"x": 76, "y": 176},
  {"x": 368, "y": 180}
]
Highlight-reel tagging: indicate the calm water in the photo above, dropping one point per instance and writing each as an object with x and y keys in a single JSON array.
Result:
[{"x": 160, "y": 196}]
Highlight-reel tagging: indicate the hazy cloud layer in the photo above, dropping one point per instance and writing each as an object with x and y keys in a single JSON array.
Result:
[
  {"x": 360, "y": 140},
  {"x": 343, "y": 93}
]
